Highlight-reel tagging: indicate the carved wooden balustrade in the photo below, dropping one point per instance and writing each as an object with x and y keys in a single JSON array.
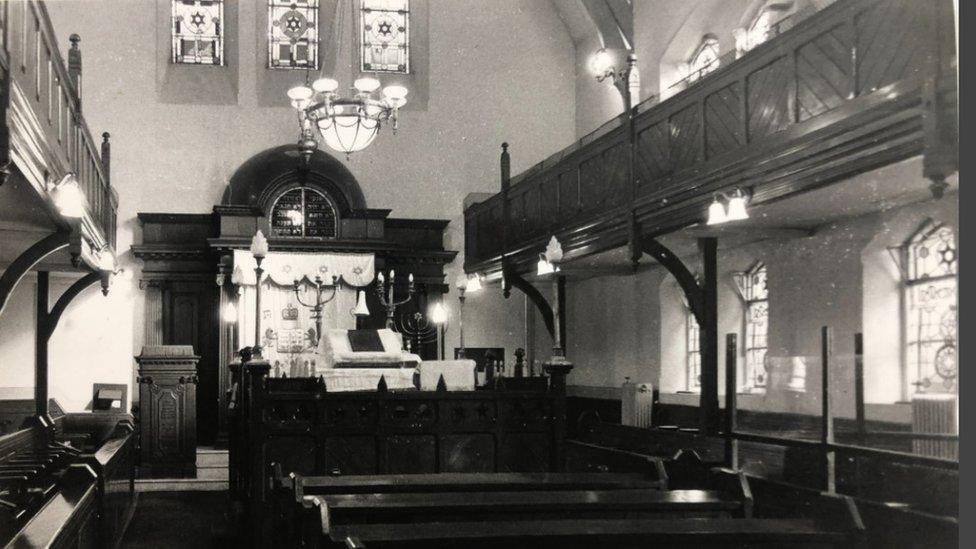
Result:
[
  {"x": 46, "y": 132},
  {"x": 858, "y": 85}
]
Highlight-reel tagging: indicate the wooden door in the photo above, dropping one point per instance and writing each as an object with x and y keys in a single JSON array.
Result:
[{"x": 189, "y": 318}]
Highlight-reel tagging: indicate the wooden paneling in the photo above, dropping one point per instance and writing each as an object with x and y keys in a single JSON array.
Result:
[
  {"x": 653, "y": 157},
  {"x": 724, "y": 128},
  {"x": 767, "y": 96},
  {"x": 685, "y": 137},
  {"x": 890, "y": 42},
  {"x": 823, "y": 72}
]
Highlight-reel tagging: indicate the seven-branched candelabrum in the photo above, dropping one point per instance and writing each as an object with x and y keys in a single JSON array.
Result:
[
  {"x": 386, "y": 292},
  {"x": 316, "y": 306}
]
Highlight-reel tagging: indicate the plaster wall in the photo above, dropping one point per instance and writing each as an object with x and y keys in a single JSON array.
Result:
[{"x": 842, "y": 277}]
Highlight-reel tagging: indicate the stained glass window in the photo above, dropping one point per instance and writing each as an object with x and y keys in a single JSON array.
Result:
[
  {"x": 931, "y": 262},
  {"x": 293, "y": 34},
  {"x": 385, "y": 31},
  {"x": 198, "y": 32},
  {"x": 303, "y": 212},
  {"x": 705, "y": 60},
  {"x": 693, "y": 358},
  {"x": 752, "y": 287}
]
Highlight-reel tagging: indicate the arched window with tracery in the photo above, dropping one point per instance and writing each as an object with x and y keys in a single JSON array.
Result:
[
  {"x": 705, "y": 60},
  {"x": 755, "y": 295},
  {"x": 930, "y": 264},
  {"x": 304, "y": 212},
  {"x": 768, "y": 22}
]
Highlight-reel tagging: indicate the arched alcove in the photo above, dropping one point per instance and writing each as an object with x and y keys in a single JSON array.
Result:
[{"x": 260, "y": 180}]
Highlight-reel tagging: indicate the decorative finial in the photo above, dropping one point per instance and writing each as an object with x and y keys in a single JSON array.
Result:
[{"x": 74, "y": 39}]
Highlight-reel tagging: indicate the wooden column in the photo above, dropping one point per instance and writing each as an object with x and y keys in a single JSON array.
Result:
[
  {"x": 40, "y": 344},
  {"x": 859, "y": 417},
  {"x": 708, "y": 336},
  {"x": 153, "y": 329},
  {"x": 731, "y": 408},
  {"x": 826, "y": 413}
]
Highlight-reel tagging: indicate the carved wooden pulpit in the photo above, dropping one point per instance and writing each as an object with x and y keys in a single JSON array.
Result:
[{"x": 167, "y": 403}]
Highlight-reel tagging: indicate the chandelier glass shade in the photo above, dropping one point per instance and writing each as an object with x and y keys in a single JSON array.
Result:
[{"x": 346, "y": 124}]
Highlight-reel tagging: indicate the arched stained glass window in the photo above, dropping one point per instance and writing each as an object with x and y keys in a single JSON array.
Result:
[
  {"x": 293, "y": 34},
  {"x": 754, "y": 292},
  {"x": 930, "y": 270},
  {"x": 198, "y": 32},
  {"x": 705, "y": 60},
  {"x": 385, "y": 29},
  {"x": 304, "y": 213}
]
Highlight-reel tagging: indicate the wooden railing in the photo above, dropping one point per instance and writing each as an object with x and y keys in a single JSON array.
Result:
[
  {"x": 48, "y": 136},
  {"x": 839, "y": 93}
]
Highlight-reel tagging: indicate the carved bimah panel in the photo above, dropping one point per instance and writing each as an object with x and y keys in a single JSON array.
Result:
[{"x": 167, "y": 410}]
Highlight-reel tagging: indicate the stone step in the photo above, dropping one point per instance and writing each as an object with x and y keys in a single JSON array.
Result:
[
  {"x": 212, "y": 473},
  {"x": 212, "y": 458},
  {"x": 180, "y": 485}
]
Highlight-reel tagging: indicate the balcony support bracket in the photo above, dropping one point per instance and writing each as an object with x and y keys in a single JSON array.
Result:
[
  {"x": 512, "y": 279},
  {"x": 27, "y": 260}
]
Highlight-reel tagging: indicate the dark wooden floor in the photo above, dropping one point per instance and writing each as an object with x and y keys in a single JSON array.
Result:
[{"x": 175, "y": 520}]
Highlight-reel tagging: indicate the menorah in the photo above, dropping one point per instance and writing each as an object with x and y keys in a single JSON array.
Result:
[
  {"x": 385, "y": 291},
  {"x": 316, "y": 306},
  {"x": 418, "y": 330}
]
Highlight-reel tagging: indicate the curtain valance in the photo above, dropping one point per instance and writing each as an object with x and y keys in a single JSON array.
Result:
[{"x": 284, "y": 268}]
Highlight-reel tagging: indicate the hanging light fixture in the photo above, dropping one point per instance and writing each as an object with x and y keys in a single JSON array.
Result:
[
  {"x": 346, "y": 124},
  {"x": 736, "y": 211}
]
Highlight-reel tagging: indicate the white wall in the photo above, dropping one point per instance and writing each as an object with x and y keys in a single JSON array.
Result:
[{"x": 842, "y": 277}]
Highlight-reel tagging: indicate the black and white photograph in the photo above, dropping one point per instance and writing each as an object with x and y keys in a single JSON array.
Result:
[{"x": 480, "y": 274}]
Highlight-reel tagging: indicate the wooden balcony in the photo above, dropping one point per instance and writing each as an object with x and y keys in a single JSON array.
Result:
[
  {"x": 46, "y": 136},
  {"x": 858, "y": 85}
]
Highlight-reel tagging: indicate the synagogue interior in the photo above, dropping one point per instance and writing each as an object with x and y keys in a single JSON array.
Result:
[{"x": 685, "y": 274}]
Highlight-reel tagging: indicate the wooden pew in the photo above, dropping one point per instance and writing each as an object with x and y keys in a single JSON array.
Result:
[
  {"x": 618, "y": 533},
  {"x": 385, "y": 512},
  {"x": 294, "y": 503}
]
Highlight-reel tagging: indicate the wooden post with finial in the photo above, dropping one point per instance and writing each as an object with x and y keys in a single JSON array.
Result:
[
  {"x": 74, "y": 65},
  {"x": 506, "y": 175},
  {"x": 106, "y": 156}
]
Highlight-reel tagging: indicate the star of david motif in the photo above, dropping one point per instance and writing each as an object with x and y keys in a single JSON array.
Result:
[
  {"x": 385, "y": 28},
  {"x": 293, "y": 23},
  {"x": 197, "y": 19}
]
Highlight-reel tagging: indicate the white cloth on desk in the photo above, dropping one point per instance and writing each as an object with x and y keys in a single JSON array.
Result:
[
  {"x": 458, "y": 374},
  {"x": 334, "y": 348},
  {"x": 366, "y": 379}
]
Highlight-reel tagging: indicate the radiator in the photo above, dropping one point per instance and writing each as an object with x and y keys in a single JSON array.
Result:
[
  {"x": 636, "y": 401},
  {"x": 935, "y": 414}
]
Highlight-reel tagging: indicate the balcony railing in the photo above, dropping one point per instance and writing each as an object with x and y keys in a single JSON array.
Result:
[
  {"x": 834, "y": 94},
  {"x": 48, "y": 136}
]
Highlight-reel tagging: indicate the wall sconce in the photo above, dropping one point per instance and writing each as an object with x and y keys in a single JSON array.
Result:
[
  {"x": 718, "y": 213},
  {"x": 68, "y": 197},
  {"x": 603, "y": 64},
  {"x": 473, "y": 284}
]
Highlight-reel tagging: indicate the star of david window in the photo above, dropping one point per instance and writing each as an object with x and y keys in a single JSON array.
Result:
[
  {"x": 930, "y": 270},
  {"x": 705, "y": 60},
  {"x": 293, "y": 34},
  {"x": 304, "y": 212},
  {"x": 752, "y": 288},
  {"x": 198, "y": 32},
  {"x": 385, "y": 31}
]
